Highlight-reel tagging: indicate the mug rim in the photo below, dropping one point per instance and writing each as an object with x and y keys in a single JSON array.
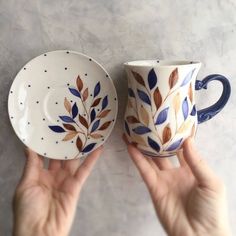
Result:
[{"x": 161, "y": 63}]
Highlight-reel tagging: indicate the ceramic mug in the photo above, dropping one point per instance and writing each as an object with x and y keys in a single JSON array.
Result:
[{"x": 161, "y": 111}]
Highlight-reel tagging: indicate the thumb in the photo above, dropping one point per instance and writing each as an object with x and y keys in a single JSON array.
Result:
[{"x": 200, "y": 169}]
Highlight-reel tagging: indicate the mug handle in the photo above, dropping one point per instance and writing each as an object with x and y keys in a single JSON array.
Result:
[{"x": 209, "y": 112}]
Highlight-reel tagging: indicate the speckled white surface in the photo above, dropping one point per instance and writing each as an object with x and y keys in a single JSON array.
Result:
[{"x": 115, "y": 201}]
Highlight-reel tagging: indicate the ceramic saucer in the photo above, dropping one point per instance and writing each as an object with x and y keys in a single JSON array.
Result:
[{"x": 62, "y": 104}]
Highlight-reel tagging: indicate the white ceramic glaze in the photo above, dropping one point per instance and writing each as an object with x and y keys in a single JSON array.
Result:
[{"x": 62, "y": 104}]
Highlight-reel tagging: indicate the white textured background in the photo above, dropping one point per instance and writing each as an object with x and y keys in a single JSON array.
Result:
[{"x": 115, "y": 201}]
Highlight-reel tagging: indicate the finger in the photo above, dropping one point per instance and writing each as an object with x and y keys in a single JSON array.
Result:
[
  {"x": 33, "y": 165},
  {"x": 180, "y": 156},
  {"x": 71, "y": 165},
  {"x": 152, "y": 163},
  {"x": 145, "y": 168},
  {"x": 202, "y": 172},
  {"x": 54, "y": 165},
  {"x": 163, "y": 163},
  {"x": 85, "y": 168}
]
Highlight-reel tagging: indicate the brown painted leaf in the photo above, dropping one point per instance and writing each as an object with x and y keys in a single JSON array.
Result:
[
  {"x": 69, "y": 136},
  {"x": 104, "y": 125},
  {"x": 190, "y": 92},
  {"x": 79, "y": 83},
  {"x": 69, "y": 127},
  {"x": 79, "y": 143},
  {"x": 185, "y": 126},
  {"x": 132, "y": 119},
  {"x": 83, "y": 121},
  {"x": 138, "y": 78},
  {"x": 103, "y": 113},
  {"x": 193, "y": 131},
  {"x": 85, "y": 94},
  {"x": 166, "y": 135},
  {"x": 96, "y": 102},
  {"x": 176, "y": 102},
  {"x": 144, "y": 115},
  {"x": 96, "y": 135},
  {"x": 67, "y": 105},
  {"x": 157, "y": 98},
  {"x": 173, "y": 79},
  {"x": 138, "y": 139}
]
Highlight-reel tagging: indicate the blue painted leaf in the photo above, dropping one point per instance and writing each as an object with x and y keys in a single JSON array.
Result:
[
  {"x": 141, "y": 130},
  {"x": 89, "y": 147},
  {"x": 131, "y": 92},
  {"x": 185, "y": 108},
  {"x": 95, "y": 125},
  {"x": 104, "y": 102},
  {"x": 153, "y": 144},
  {"x": 194, "y": 111},
  {"x": 75, "y": 92},
  {"x": 75, "y": 110},
  {"x": 188, "y": 77},
  {"x": 144, "y": 97},
  {"x": 152, "y": 79},
  {"x": 127, "y": 128},
  {"x": 162, "y": 116},
  {"x": 92, "y": 115},
  {"x": 96, "y": 89},
  {"x": 66, "y": 119},
  {"x": 174, "y": 145},
  {"x": 56, "y": 128}
]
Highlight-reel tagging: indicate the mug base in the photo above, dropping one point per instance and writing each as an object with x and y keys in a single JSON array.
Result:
[{"x": 149, "y": 154}]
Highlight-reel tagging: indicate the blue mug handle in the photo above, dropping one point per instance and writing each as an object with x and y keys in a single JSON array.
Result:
[{"x": 209, "y": 112}]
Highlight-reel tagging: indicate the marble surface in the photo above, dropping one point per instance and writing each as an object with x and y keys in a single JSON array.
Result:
[{"x": 115, "y": 201}]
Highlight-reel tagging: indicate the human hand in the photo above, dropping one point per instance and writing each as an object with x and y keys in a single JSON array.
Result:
[
  {"x": 45, "y": 199},
  {"x": 189, "y": 200}
]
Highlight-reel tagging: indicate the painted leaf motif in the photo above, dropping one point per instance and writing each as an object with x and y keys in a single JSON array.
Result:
[
  {"x": 187, "y": 78},
  {"x": 67, "y": 105},
  {"x": 127, "y": 128},
  {"x": 185, "y": 108},
  {"x": 194, "y": 111},
  {"x": 144, "y": 115},
  {"x": 96, "y": 102},
  {"x": 96, "y": 135},
  {"x": 131, "y": 92},
  {"x": 96, "y": 89},
  {"x": 69, "y": 127},
  {"x": 104, "y": 102},
  {"x": 103, "y": 113},
  {"x": 157, "y": 98},
  {"x": 83, "y": 121},
  {"x": 141, "y": 130},
  {"x": 85, "y": 94},
  {"x": 190, "y": 92},
  {"x": 144, "y": 97},
  {"x": 79, "y": 83},
  {"x": 92, "y": 115},
  {"x": 152, "y": 79},
  {"x": 162, "y": 116},
  {"x": 66, "y": 119},
  {"x": 89, "y": 147},
  {"x": 185, "y": 126},
  {"x": 166, "y": 135},
  {"x": 138, "y": 139},
  {"x": 176, "y": 102},
  {"x": 173, "y": 79},
  {"x": 174, "y": 145},
  {"x": 132, "y": 119},
  {"x": 74, "y": 110},
  {"x": 95, "y": 125},
  {"x": 79, "y": 143},
  {"x": 153, "y": 144},
  {"x": 104, "y": 125},
  {"x": 75, "y": 92},
  {"x": 56, "y": 128},
  {"x": 138, "y": 78},
  {"x": 69, "y": 136}
]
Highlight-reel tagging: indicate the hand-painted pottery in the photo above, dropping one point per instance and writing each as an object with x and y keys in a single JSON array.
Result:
[
  {"x": 62, "y": 104},
  {"x": 161, "y": 111}
]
